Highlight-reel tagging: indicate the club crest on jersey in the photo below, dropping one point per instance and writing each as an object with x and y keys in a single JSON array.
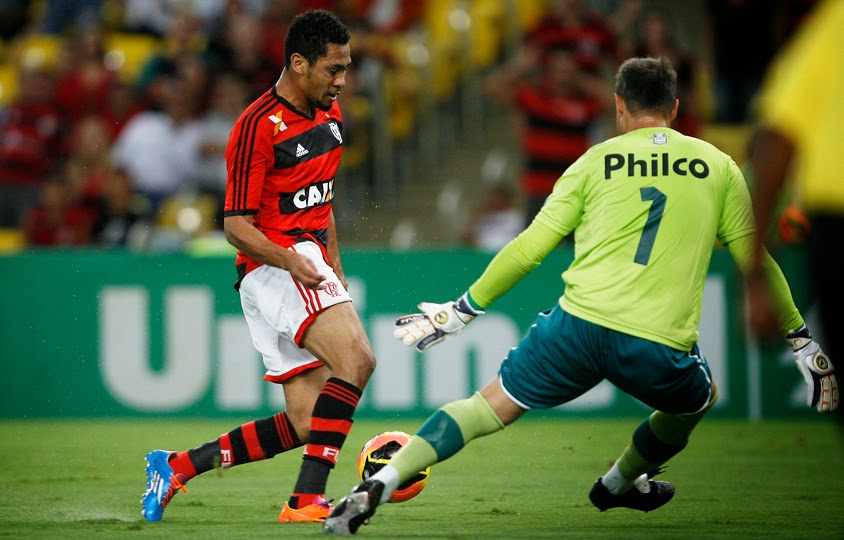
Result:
[
  {"x": 308, "y": 197},
  {"x": 335, "y": 130},
  {"x": 279, "y": 124}
]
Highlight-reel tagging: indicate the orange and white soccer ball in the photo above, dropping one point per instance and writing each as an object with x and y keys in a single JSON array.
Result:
[{"x": 378, "y": 451}]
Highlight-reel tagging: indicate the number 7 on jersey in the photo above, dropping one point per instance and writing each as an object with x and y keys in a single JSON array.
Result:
[{"x": 646, "y": 242}]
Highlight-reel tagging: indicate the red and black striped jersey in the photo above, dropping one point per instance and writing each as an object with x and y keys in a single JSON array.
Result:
[
  {"x": 281, "y": 165},
  {"x": 555, "y": 133}
]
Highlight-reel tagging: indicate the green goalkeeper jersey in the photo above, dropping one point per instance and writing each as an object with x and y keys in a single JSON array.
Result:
[{"x": 648, "y": 208}]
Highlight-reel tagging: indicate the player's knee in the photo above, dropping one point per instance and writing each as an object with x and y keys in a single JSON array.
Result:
[
  {"x": 355, "y": 367},
  {"x": 365, "y": 364}
]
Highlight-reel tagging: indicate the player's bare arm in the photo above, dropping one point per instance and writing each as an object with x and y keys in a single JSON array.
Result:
[
  {"x": 244, "y": 236},
  {"x": 500, "y": 83},
  {"x": 333, "y": 250},
  {"x": 770, "y": 156}
]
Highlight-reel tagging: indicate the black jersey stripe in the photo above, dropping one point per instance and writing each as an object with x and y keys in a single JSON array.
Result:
[
  {"x": 240, "y": 169},
  {"x": 558, "y": 127},
  {"x": 310, "y": 144},
  {"x": 247, "y": 139},
  {"x": 268, "y": 108},
  {"x": 237, "y": 160},
  {"x": 547, "y": 165}
]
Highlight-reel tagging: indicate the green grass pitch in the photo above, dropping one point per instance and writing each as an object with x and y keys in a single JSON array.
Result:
[{"x": 773, "y": 479}]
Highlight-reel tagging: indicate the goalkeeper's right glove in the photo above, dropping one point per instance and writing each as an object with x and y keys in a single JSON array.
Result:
[
  {"x": 435, "y": 323},
  {"x": 817, "y": 370}
]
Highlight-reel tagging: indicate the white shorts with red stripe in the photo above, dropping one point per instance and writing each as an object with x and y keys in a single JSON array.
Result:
[{"x": 279, "y": 309}]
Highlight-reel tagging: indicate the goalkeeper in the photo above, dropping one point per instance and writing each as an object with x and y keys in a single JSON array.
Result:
[{"x": 647, "y": 207}]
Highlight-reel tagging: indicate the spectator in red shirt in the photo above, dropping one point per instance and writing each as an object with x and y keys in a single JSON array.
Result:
[
  {"x": 276, "y": 20},
  {"x": 30, "y": 143},
  {"x": 88, "y": 164},
  {"x": 556, "y": 114},
  {"x": 656, "y": 38},
  {"x": 85, "y": 88},
  {"x": 120, "y": 106},
  {"x": 241, "y": 53},
  {"x": 569, "y": 24},
  {"x": 57, "y": 220}
]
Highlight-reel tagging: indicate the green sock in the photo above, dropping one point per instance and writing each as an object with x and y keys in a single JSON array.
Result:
[
  {"x": 445, "y": 433},
  {"x": 658, "y": 439}
]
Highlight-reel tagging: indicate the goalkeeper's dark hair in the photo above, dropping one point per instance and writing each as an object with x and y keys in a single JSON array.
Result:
[
  {"x": 311, "y": 32},
  {"x": 647, "y": 85}
]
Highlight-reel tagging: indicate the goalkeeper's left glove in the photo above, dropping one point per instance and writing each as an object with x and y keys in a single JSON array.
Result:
[
  {"x": 435, "y": 323},
  {"x": 817, "y": 370}
]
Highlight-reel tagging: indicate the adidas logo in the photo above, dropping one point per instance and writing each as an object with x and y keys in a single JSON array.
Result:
[{"x": 300, "y": 150}]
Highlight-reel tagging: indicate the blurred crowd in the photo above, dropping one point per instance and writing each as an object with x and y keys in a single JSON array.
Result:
[
  {"x": 114, "y": 114},
  {"x": 559, "y": 82}
]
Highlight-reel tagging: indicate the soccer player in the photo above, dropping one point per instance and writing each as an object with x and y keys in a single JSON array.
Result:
[
  {"x": 648, "y": 207},
  {"x": 282, "y": 156}
]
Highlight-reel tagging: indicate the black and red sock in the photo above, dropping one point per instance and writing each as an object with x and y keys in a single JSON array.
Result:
[
  {"x": 253, "y": 441},
  {"x": 330, "y": 424}
]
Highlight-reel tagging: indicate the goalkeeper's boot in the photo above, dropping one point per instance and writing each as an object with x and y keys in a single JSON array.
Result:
[
  {"x": 314, "y": 512},
  {"x": 354, "y": 509},
  {"x": 162, "y": 484},
  {"x": 657, "y": 494}
]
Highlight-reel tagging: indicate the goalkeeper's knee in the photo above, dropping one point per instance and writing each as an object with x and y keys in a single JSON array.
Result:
[{"x": 674, "y": 429}]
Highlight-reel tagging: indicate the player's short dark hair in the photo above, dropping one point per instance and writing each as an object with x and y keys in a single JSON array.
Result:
[
  {"x": 311, "y": 32},
  {"x": 647, "y": 85}
]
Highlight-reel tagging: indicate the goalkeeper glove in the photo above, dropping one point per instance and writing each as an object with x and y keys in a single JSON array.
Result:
[
  {"x": 817, "y": 370},
  {"x": 435, "y": 323}
]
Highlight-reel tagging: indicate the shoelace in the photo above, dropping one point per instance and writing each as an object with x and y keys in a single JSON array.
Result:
[{"x": 175, "y": 485}]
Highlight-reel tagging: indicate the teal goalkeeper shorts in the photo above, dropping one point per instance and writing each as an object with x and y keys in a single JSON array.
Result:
[{"x": 564, "y": 356}]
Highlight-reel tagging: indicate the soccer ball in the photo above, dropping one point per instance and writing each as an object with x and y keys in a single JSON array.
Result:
[{"x": 378, "y": 451}]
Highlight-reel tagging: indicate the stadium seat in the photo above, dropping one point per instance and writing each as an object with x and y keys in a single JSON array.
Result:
[
  {"x": 487, "y": 32},
  {"x": 128, "y": 53},
  {"x": 530, "y": 11},
  {"x": 444, "y": 44},
  {"x": 11, "y": 240},
  {"x": 35, "y": 51},
  {"x": 187, "y": 213},
  {"x": 8, "y": 83}
]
